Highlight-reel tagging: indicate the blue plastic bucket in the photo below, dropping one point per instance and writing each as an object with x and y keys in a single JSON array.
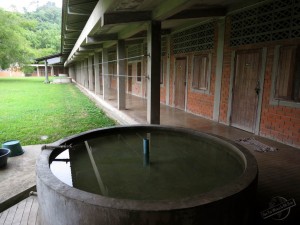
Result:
[{"x": 14, "y": 146}]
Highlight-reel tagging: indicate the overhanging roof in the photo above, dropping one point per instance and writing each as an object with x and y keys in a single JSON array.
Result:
[
  {"x": 88, "y": 26},
  {"x": 51, "y": 59}
]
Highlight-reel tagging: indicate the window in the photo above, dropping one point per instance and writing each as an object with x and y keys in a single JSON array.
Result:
[
  {"x": 287, "y": 81},
  {"x": 139, "y": 72},
  {"x": 201, "y": 72}
]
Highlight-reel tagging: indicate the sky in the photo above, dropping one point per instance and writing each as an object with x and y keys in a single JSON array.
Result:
[{"x": 31, "y": 5}]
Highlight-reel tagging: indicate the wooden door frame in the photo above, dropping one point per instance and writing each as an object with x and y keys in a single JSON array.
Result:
[
  {"x": 186, "y": 80},
  {"x": 263, "y": 52}
]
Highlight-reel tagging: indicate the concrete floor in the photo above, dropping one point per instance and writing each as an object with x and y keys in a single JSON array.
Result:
[
  {"x": 279, "y": 172},
  {"x": 17, "y": 179}
]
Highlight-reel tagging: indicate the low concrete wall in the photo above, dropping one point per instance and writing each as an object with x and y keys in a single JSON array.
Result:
[{"x": 11, "y": 74}]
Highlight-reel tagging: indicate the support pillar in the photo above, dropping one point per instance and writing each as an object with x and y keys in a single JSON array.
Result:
[
  {"x": 97, "y": 74},
  {"x": 219, "y": 69},
  {"x": 105, "y": 76},
  {"x": 52, "y": 71},
  {"x": 71, "y": 71},
  {"x": 121, "y": 74},
  {"x": 90, "y": 72},
  {"x": 168, "y": 70},
  {"x": 38, "y": 71},
  {"x": 86, "y": 74},
  {"x": 153, "y": 72},
  {"x": 46, "y": 72},
  {"x": 82, "y": 73}
]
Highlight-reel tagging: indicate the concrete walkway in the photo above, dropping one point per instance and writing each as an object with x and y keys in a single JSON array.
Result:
[
  {"x": 279, "y": 171},
  {"x": 17, "y": 179}
]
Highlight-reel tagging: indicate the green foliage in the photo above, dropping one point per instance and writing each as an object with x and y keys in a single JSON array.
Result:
[
  {"x": 14, "y": 47},
  {"x": 45, "y": 37},
  {"x": 28, "y": 69},
  {"x": 32, "y": 109},
  {"x": 24, "y": 37}
]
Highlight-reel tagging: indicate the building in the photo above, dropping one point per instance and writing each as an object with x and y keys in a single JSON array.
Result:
[{"x": 233, "y": 61}]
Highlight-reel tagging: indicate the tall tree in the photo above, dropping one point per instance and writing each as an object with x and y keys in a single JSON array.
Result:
[
  {"x": 14, "y": 47},
  {"x": 46, "y": 33},
  {"x": 24, "y": 37}
]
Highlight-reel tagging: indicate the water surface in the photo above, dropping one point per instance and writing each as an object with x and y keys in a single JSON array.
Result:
[{"x": 180, "y": 165}]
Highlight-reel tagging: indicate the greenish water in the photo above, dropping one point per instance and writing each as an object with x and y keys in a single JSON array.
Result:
[{"x": 180, "y": 165}]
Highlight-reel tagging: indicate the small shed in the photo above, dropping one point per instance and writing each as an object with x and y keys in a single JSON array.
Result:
[{"x": 53, "y": 66}]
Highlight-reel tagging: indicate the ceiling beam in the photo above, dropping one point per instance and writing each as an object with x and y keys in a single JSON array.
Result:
[
  {"x": 93, "y": 21},
  {"x": 101, "y": 38},
  {"x": 199, "y": 13},
  {"x": 77, "y": 11},
  {"x": 69, "y": 42},
  {"x": 125, "y": 17},
  {"x": 134, "y": 42},
  {"x": 168, "y": 8},
  {"x": 81, "y": 8},
  {"x": 90, "y": 48},
  {"x": 131, "y": 30},
  {"x": 72, "y": 28},
  {"x": 81, "y": 53},
  {"x": 75, "y": 26}
]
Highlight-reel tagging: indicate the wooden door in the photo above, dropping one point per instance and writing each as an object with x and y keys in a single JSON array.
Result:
[
  {"x": 246, "y": 90},
  {"x": 180, "y": 83},
  {"x": 129, "y": 80}
]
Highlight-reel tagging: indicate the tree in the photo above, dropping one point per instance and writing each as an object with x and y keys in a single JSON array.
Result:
[
  {"x": 46, "y": 34},
  {"x": 24, "y": 37},
  {"x": 14, "y": 47}
]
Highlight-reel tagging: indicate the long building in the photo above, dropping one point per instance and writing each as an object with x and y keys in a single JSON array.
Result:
[{"x": 232, "y": 61}]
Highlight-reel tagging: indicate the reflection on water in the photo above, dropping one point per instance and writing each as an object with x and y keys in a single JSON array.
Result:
[
  {"x": 180, "y": 165},
  {"x": 60, "y": 166}
]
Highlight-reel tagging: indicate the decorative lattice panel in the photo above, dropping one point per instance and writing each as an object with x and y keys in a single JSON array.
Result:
[
  {"x": 112, "y": 56},
  {"x": 163, "y": 46},
  {"x": 134, "y": 52},
  {"x": 272, "y": 21},
  {"x": 100, "y": 57},
  {"x": 194, "y": 39}
]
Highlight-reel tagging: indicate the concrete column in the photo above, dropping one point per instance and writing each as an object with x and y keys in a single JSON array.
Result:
[
  {"x": 46, "y": 72},
  {"x": 52, "y": 71},
  {"x": 121, "y": 72},
  {"x": 78, "y": 72},
  {"x": 90, "y": 72},
  {"x": 82, "y": 73},
  {"x": 86, "y": 74},
  {"x": 168, "y": 70},
  {"x": 105, "y": 76},
  {"x": 97, "y": 73},
  {"x": 37, "y": 71},
  {"x": 153, "y": 72},
  {"x": 71, "y": 71},
  {"x": 219, "y": 69}
]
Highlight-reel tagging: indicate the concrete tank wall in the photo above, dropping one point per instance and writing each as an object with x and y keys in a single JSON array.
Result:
[{"x": 61, "y": 204}]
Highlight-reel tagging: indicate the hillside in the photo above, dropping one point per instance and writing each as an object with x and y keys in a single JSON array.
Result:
[{"x": 29, "y": 35}]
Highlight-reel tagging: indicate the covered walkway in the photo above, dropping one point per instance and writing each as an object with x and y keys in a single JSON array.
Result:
[{"x": 278, "y": 170}]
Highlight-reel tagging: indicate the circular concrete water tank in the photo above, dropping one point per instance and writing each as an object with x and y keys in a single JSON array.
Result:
[{"x": 126, "y": 199}]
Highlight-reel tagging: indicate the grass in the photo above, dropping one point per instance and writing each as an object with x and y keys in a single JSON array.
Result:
[{"x": 31, "y": 110}]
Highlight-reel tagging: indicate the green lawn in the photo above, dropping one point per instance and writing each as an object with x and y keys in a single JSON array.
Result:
[{"x": 30, "y": 109}]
